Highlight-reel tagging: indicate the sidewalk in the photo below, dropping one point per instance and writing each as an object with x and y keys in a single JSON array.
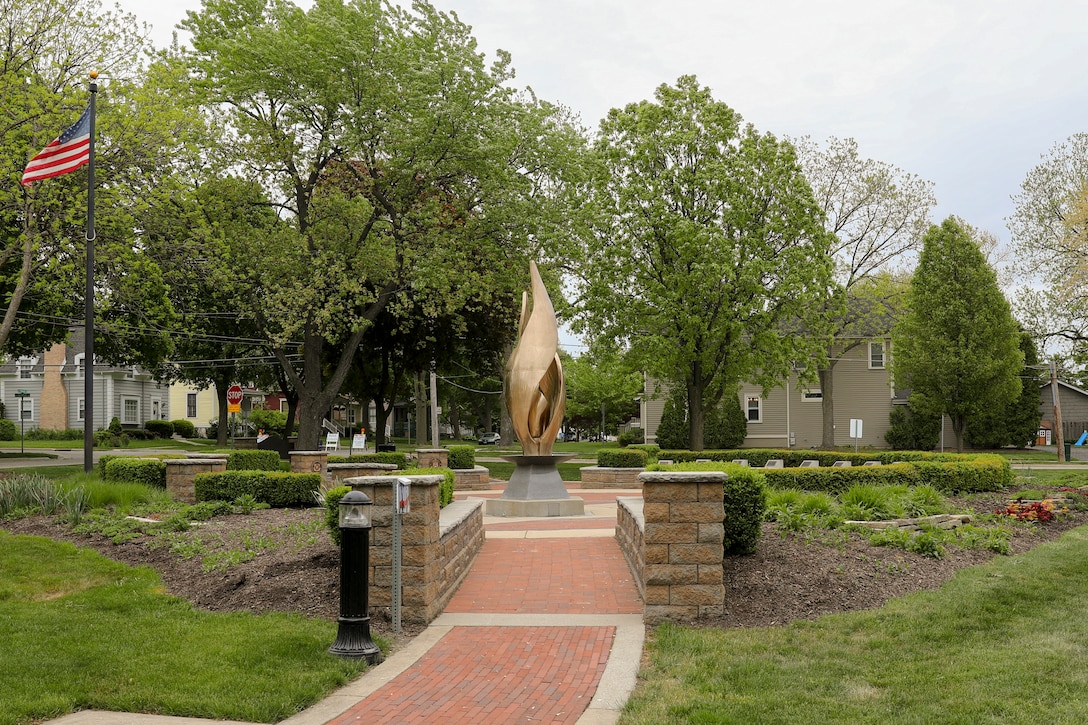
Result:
[{"x": 546, "y": 628}]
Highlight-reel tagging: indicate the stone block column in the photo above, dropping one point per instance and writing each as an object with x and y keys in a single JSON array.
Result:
[
  {"x": 309, "y": 462},
  {"x": 181, "y": 473},
  {"x": 684, "y": 544},
  {"x": 433, "y": 457}
]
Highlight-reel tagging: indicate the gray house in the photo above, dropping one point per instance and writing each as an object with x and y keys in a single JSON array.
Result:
[
  {"x": 790, "y": 416},
  {"x": 53, "y": 381},
  {"x": 1074, "y": 407}
]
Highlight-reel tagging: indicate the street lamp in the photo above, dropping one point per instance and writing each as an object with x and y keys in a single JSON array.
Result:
[{"x": 353, "y": 633}]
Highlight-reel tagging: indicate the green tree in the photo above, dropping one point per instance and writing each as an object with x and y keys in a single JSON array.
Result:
[
  {"x": 726, "y": 425},
  {"x": 1017, "y": 423},
  {"x": 878, "y": 214},
  {"x": 957, "y": 348},
  {"x": 48, "y": 48},
  {"x": 673, "y": 430},
  {"x": 397, "y": 159},
  {"x": 711, "y": 261},
  {"x": 601, "y": 390},
  {"x": 910, "y": 430},
  {"x": 1050, "y": 231}
]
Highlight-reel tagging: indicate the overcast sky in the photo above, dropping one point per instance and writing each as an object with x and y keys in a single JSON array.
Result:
[{"x": 965, "y": 93}]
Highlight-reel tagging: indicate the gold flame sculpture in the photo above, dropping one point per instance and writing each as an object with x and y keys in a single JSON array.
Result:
[{"x": 535, "y": 394}]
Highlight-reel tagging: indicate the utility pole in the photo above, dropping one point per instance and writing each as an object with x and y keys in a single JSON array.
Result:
[
  {"x": 434, "y": 407},
  {"x": 1058, "y": 437}
]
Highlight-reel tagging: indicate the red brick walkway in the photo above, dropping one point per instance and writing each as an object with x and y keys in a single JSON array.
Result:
[
  {"x": 478, "y": 675},
  {"x": 548, "y": 576},
  {"x": 484, "y": 675}
]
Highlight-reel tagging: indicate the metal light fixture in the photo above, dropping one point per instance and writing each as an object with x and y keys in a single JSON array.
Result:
[{"x": 353, "y": 633}]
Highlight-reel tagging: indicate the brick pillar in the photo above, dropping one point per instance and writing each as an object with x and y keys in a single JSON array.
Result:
[
  {"x": 181, "y": 473},
  {"x": 684, "y": 545},
  {"x": 309, "y": 462},
  {"x": 53, "y": 406},
  {"x": 421, "y": 569},
  {"x": 433, "y": 457}
]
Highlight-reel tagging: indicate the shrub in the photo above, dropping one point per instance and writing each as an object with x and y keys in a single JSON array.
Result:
[
  {"x": 445, "y": 488},
  {"x": 725, "y": 426},
  {"x": 651, "y": 451},
  {"x": 184, "y": 428},
  {"x": 631, "y": 437},
  {"x": 911, "y": 430},
  {"x": 275, "y": 488},
  {"x": 8, "y": 431},
  {"x": 126, "y": 469},
  {"x": 672, "y": 431},
  {"x": 462, "y": 457},
  {"x": 744, "y": 496},
  {"x": 332, "y": 511},
  {"x": 621, "y": 458},
  {"x": 115, "y": 425},
  {"x": 400, "y": 460},
  {"x": 270, "y": 421},
  {"x": 161, "y": 428},
  {"x": 48, "y": 434},
  {"x": 253, "y": 460}
]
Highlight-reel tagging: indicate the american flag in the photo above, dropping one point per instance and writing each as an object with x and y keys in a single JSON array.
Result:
[{"x": 65, "y": 154}]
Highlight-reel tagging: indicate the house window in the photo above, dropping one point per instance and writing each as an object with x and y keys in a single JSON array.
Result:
[
  {"x": 26, "y": 409},
  {"x": 812, "y": 395},
  {"x": 130, "y": 411},
  {"x": 351, "y": 416},
  {"x": 190, "y": 405},
  {"x": 155, "y": 410},
  {"x": 284, "y": 407},
  {"x": 80, "y": 367},
  {"x": 876, "y": 355},
  {"x": 24, "y": 365},
  {"x": 754, "y": 409},
  {"x": 81, "y": 410}
]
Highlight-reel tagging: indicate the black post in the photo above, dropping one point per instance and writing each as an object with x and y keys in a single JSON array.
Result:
[
  {"x": 353, "y": 632},
  {"x": 88, "y": 302}
]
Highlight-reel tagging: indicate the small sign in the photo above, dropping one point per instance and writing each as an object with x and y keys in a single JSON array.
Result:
[
  {"x": 22, "y": 393},
  {"x": 404, "y": 488},
  {"x": 332, "y": 441},
  {"x": 358, "y": 441},
  {"x": 855, "y": 427}
]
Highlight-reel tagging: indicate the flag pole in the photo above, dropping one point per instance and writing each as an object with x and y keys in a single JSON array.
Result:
[{"x": 88, "y": 301}]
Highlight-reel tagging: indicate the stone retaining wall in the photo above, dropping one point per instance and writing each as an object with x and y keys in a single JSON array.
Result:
[
  {"x": 472, "y": 479},
  {"x": 341, "y": 471},
  {"x": 181, "y": 472},
  {"x": 631, "y": 534},
  {"x": 437, "y": 547},
  {"x": 606, "y": 477}
]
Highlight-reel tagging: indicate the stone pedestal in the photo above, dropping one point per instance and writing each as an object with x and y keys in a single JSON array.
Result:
[
  {"x": 340, "y": 471},
  {"x": 536, "y": 489},
  {"x": 181, "y": 472},
  {"x": 432, "y": 457},
  {"x": 472, "y": 479},
  {"x": 309, "y": 461}
]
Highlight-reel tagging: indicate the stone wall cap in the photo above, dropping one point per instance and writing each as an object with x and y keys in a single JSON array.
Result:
[
  {"x": 363, "y": 465},
  {"x": 190, "y": 461},
  {"x": 432, "y": 450},
  {"x": 206, "y": 456},
  {"x": 477, "y": 467},
  {"x": 682, "y": 476},
  {"x": 417, "y": 480},
  {"x": 457, "y": 512},
  {"x": 308, "y": 453}
]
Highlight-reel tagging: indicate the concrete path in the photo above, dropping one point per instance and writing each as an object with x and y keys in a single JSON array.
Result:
[{"x": 546, "y": 628}]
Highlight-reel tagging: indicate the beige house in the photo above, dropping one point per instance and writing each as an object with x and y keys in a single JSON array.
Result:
[
  {"x": 790, "y": 416},
  {"x": 199, "y": 407}
]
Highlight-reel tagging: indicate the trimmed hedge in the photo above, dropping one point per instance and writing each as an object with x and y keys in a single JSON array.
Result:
[
  {"x": 253, "y": 460},
  {"x": 621, "y": 458},
  {"x": 8, "y": 431},
  {"x": 127, "y": 469},
  {"x": 275, "y": 488},
  {"x": 462, "y": 457},
  {"x": 445, "y": 489},
  {"x": 947, "y": 472},
  {"x": 651, "y": 450},
  {"x": 161, "y": 428},
  {"x": 332, "y": 511},
  {"x": 184, "y": 428},
  {"x": 400, "y": 460}
]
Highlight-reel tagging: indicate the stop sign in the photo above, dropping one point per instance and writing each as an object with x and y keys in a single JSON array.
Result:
[{"x": 234, "y": 395}]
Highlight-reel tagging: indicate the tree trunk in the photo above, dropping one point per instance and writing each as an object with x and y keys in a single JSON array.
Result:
[
  {"x": 419, "y": 394},
  {"x": 506, "y": 424},
  {"x": 221, "y": 396},
  {"x": 455, "y": 417},
  {"x": 959, "y": 427},
  {"x": 827, "y": 405},
  {"x": 696, "y": 411}
]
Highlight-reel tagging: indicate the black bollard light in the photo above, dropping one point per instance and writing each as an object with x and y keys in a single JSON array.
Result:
[{"x": 353, "y": 633}]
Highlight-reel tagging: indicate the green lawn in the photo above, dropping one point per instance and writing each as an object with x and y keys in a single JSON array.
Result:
[
  {"x": 82, "y": 632},
  {"x": 1002, "y": 643},
  {"x": 502, "y": 470}
]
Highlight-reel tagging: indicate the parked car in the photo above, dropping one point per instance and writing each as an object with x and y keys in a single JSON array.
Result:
[{"x": 489, "y": 439}]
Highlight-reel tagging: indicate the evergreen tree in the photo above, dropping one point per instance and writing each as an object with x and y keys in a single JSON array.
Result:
[{"x": 672, "y": 432}]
